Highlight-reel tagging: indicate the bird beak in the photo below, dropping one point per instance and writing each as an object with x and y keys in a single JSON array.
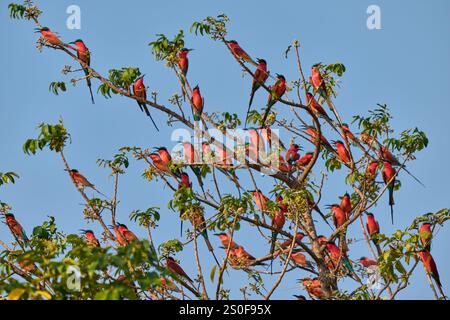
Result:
[{"x": 190, "y": 50}]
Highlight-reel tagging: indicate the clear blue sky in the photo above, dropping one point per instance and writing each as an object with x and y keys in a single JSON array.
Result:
[{"x": 405, "y": 65}]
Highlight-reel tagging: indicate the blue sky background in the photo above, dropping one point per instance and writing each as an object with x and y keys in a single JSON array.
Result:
[{"x": 405, "y": 65}]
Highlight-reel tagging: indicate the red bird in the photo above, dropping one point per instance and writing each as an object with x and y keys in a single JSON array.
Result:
[
  {"x": 238, "y": 52},
  {"x": 315, "y": 106},
  {"x": 372, "y": 225},
  {"x": 292, "y": 154},
  {"x": 259, "y": 78},
  {"x": 225, "y": 240},
  {"x": 339, "y": 216},
  {"x": 388, "y": 175},
  {"x": 342, "y": 152},
  {"x": 126, "y": 233},
  {"x": 366, "y": 262},
  {"x": 430, "y": 267},
  {"x": 371, "y": 170},
  {"x": 175, "y": 267},
  {"x": 197, "y": 102},
  {"x": 300, "y": 259},
  {"x": 119, "y": 237},
  {"x": 288, "y": 242},
  {"x": 277, "y": 90},
  {"x": 90, "y": 237},
  {"x": 426, "y": 235},
  {"x": 15, "y": 227},
  {"x": 140, "y": 91},
  {"x": 185, "y": 182},
  {"x": 183, "y": 61},
  {"x": 84, "y": 55},
  {"x": 312, "y": 132},
  {"x": 278, "y": 222},
  {"x": 159, "y": 164},
  {"x": 260, "y": 200},
  {"x": 81, "y": 182},
  {"x": 305, "y": 159},
  {"x": 314, "y": 288},
  {"x": 350, "y": 136},
  {"x": 244, "y": 255},
  {"x": 164, "y": 155},
  {"x": 317, "y": 81},
  {"x": 346, "y": 204},
  {"x": 50, "y": 37}
]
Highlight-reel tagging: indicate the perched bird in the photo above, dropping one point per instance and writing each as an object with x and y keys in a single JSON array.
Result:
[
  {"x": 338, "y": 257},
  {"x": 90, "y": 238},
  {"x": 81, "y": 182},
  {"x": 259, "y": 78},
  {"x": 244, "y": 256},
  {"x": 119, "y": 237},
  {"x": 84, "y": 55},
  {"x": 339, "y": 215},
  {"x": 160, "y": 164},
  {"x": 175, "y": 267},
  {"x": 315, "y": 106},
  {"x": 164, "y": 155},
  {"x": 372, "y": 225},
  {"x": 50, "y": 37},
  {"x": 126, "y": 233},
  {"x": 430, "y": 267},
  {"x": 140, "y": 91},
  {"x": 260, "y": 200},
  {"x": 305, "y": 159},
  {"x": 292, "y": 154},
  {"x": 238, "y": 52},
  {"x": 371, "y": 170},
  {"x": 300, "y": 259},
  {"x": 16, "y": 228},
  {"x": 225, "y": 239},
  {"x": 346, "y": 204},
  {"x": 317, "y": 82},
  {"x": 197, "y": 102},
  {"x": 350, "y": 136},
  {"x": 426, "y": 235},
  {"x": 366, "y": 262},
  {"x": 169, "y": 285},
  {"x": 388, "y": 175},
  {"x": 278, "y": 222},
  {"x": 192, "y": 158},
  {"x": 314, "y": 288},
  {"x": 276, "y": 92},
  {"x": 183, "y": 61},
  {"x": 342, "y": 152},
  {"x": 288, "y": 242},
  {"x": 312, "y": 132}
]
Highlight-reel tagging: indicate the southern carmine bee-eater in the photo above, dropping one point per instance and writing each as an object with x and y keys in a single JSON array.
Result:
[
  {"x": 338, "y": 256},
  {"x": 226, "y": 241},
  {"x": 346, "y": 204},
  {"x": 164, "y": 154},
  {"x": 371, "y": 170},
  {"x": 314, "y": 288},
  {"x": 387, "y": 155},
  {"x": 84, "y": 55},
  {"x": 278, "y": 222},
  {"x": 312, "y": 132},
  {"x": 50, "y": 37},
  {"x": 119, "y": 238},
  {"x": 140, "y": 91},
  {"x": 260, "y": 200},
  {"x": 316, "y": 107},
  {"x": 175, "y": 267},
  {"x": 350, "y": 136},
  {"x": 430, "y": 268},
  {"x": 16, "y": 228},
  {"x": 388, "y": 175},
  {"x": 426, "y": 235},
  {"x": 184, "y": 183},
  {"x": 238, "y": 52},
  {"x": 366, "y": 262},
  {"x": 197, "y": 102},
  {"x": 259, "y": 78},
  {"x": 128, "y": 235},
  {"x": 300, "y": 260},
  {"x": 292, "y": 155},
  {"x": 191, "y": 157},
  {"x": 339, "y": 215},
  {"x": 81, "y": 182},
  {"x": 317, "y": 82},
  {"x": 276, "y": 92},
  {"x": 90, "y": 238},
  {"x": 342, "y": 152},
  {"x": 183, "y": 64},
  {"x": 305, "y": 159},
  {"x": 372, "y": 226},
  {"x": 161, "y": 165}
]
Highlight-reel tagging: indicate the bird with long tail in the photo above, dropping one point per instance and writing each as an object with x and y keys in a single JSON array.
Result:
[
  {"x": 84, "y": 55},
  {"x": 238, "y": 52},
  {"x": 373, "y": 229},
  {"x": 197, "y": 219},
  {"x": 276, "y": 92},
  {"x": 16, "y": 228},
  {"x": 337, "y": 256},
  {"x": 278, "y": 222},
  {"x": 431, "y": 268},
  {"x": 367, "y": 263},
  {"x": 198, "y": 103},
  {"x": 260, "y": 76},
  {"x": 50, "y": 37},
  {"x": 81, "y": 182},
  {"x": 183, "y": 65},
  {"x": 388, "y": 175},
  {"x": 90, "y": 238},
  {"x": 387, "y": 155},
  {"x": 191, "y": 157},
  {"x": 140, "y": 91},
  {"x": 315, "y": 107}
]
